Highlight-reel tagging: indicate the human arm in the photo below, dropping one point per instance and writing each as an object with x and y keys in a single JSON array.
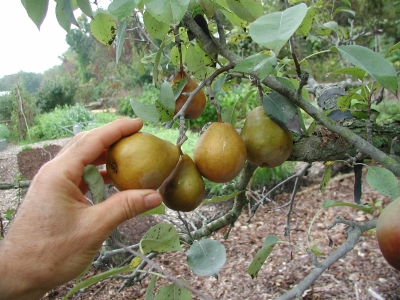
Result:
[{"x": 56, "y": 232}]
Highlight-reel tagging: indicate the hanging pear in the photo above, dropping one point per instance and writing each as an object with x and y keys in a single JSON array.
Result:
[
  {"x": 184, "y": 189},
  {"x": 268, "y": 144},
  {"x": 220, "y": 153},
  {"x": 198, "y": 103},
  {"x": 141, "y": 161}
]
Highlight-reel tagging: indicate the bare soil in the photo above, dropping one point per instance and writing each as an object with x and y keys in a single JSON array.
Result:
[{"x": 362, "y": 274}]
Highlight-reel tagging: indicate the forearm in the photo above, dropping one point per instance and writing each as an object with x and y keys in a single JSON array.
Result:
[{"x": 16, "y": 280}]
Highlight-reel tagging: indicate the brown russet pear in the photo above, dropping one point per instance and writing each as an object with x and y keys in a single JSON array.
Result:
[
  {"x": 220, "y": 153},
  {"x": 268, "y": 144},
  {"x": 197, "y": 104},
  {"x": 141, "y": 161},
  {"x": 184, "y": 189},
  {"x": 388, "y": 233}
]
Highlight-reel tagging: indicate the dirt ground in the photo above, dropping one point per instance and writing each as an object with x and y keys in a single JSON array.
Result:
[{"x": 362, "y": 274}]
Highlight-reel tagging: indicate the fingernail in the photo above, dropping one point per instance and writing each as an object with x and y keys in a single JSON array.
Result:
[{"x": 152, "y": 200}]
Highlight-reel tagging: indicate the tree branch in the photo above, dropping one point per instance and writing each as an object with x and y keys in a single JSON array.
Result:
[
  {"x": 354, "y": 232},
  {"x": 352, "y": 138},
  {"x": 231, "y": 216}
]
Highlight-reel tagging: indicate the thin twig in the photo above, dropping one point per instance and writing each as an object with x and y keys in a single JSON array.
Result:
[{"x": 165, "y": 273}]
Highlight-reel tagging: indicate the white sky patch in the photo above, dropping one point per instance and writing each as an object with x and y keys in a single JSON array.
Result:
[{"x": 23, "y": 47}]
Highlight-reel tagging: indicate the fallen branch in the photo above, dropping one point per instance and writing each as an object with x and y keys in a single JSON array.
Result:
[
  {"x": 354, "y": 231},
  {"x": 14, "y": 185}
]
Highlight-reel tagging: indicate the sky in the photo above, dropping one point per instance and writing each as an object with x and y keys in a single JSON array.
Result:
[{"x": 23, "y": 47}]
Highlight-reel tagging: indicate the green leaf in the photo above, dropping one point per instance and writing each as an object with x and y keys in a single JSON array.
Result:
[
  {"x": 218, "y": 84},
  {"x": 274, "y": 30},
  {"x": 331, "y": 203},
  {"x": 228, "y": 114},
  {"x": 157, "y": 70},
  {"x": 282, "y": 111},
  {"x": 392, "y": 49},
  {"x": 147, "y": 112},
  {"x": 174, "y": 55},
  {"x": 122, "y": 9},
  {"x": 383, "y": 181},
  {"x": 150, "y": 288},
  {"x": 155, "y": 28},
  {"x": 103, "y": 28},
  {"x": 85, "y": 7},
  {"x": 166, "y": 101},
  {"x": 325, "y": 178},
  {"x": 160, "y": 238},
  {"x": 261, "y": 64},
  {"x": 223, "y": 198},
  {"x": 315, "y": 250},
  {"x": 196, "y": 64},
  {"x": 159, "y": 210},
  {"x": 36, "y": 10},
  {"x": 233, "y": 18},
  {"x": 121, "y": 35},
  {"x": 208, "y": 7},
  {"x": 178, "y": 86},
  {"x": 373, "y": 63},
  {"x": 356, "y": 72},
  {"x": 206, "y": 257},
  {"x": 360, "y": 110},
  {"x": 311, "y": 128},
  {"x": 95, "y": 182},
  {"x": 248, "y": 10},
  {"x": 307, "y": 22},
  {"x": 173, "y": 292},
  {"x": 61, "y": 17},
  {"x": 96, "y": 278},
  {"x": 167, "y": 11},
  {"x": 68, "y": 11},
  {"x": 261, "y": 255}
]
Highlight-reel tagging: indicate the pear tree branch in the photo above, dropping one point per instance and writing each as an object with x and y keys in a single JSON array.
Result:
[
  {"x": 201, "y": 85},
  {"x": 231, "y": 216},
  {"x": 361, "y": 144}
]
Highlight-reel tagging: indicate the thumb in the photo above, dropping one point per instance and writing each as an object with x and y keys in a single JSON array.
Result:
[{"x": 125, "y": 205}]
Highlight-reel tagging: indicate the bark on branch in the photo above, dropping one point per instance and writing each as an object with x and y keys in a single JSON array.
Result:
[{"x": 354, "y": 232}]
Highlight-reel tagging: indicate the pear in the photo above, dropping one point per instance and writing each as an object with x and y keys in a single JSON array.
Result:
[
  {"x": 197, "y": 104},
  {"x": 268, "y": 144},
  {"x": 141, "y": 161},
  {"x": 220, "y": 153},
  {"x": 184, "y": 189}
]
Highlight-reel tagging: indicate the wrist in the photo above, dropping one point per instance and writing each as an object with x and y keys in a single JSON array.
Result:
[{"x": 17, "y": 281}]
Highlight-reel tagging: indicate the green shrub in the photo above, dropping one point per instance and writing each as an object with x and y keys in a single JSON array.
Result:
[
  {"x": 48, "y": 125},
  {"x": 272, "y": 176},
  {"x": 6, "y": 106},
  {"x": 56, "y": 93},
  {"x": 4, "y": 132},
  {"x": 101, "y": 119}
]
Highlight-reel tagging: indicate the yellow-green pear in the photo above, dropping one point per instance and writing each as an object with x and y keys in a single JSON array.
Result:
[
  {"x": 184, "y": 189},
  {"x": 268, "y": 144},
  {"x": 141, "y": 161},
  {"x": 220, "y": 153}
]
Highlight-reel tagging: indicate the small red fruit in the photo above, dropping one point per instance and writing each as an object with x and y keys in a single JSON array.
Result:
[{"x": 388, "y": 233}]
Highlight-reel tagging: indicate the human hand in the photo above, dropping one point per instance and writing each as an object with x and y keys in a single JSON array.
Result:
[{"x": 56, "y": 232}]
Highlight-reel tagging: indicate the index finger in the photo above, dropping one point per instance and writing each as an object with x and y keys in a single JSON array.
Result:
[{"x": 90, "y": 145}]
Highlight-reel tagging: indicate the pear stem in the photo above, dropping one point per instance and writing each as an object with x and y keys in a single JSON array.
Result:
[{"x": 212, "y": 100}]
